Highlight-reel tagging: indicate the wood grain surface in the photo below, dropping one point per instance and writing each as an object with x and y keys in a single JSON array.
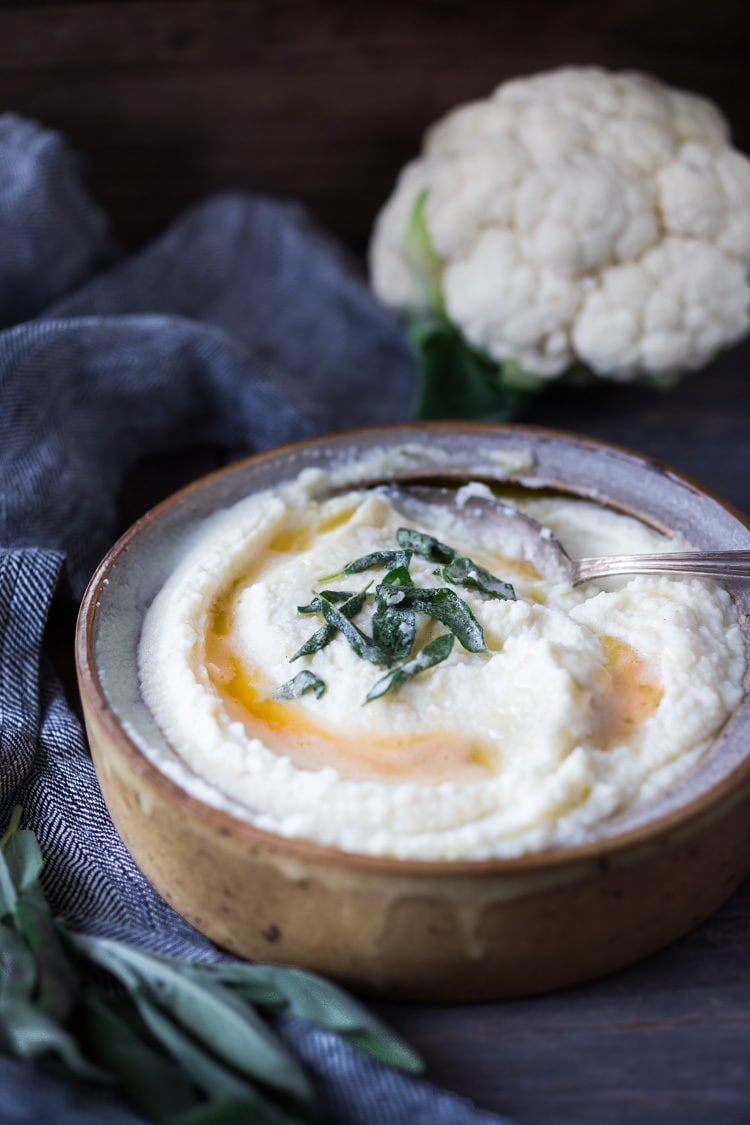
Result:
[
  {"x": 172, "y": 99},
  {"x": 661, "y": 1043}
]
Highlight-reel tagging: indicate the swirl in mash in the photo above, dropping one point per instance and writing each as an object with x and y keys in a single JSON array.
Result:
[{"x": 587, "y": 701}]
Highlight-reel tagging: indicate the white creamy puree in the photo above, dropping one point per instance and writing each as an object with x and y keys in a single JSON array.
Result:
[{"x": 589, "y": 700}]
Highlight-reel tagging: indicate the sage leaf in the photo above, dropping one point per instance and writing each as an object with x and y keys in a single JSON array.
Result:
[
  {"x": 400, "y": 576},
  {"x": 20, "y": 863},
  {"x": 119, "y": 1041},
  {"x": 425, "y": 545},
  {"x": 433, "y": 653},
  {"x": 384, "y": 1045},
  {"x": 394, "y": 631},
  {"x": 461, "y": 571},
  {"x": 323, "y": 636},
  {"x": 332, "y": 595},
  {"x": 363, "y": 646},
  {"x": 8, "y": 893},
  {"x": 230, "y": 1029},
  {"x": 213, "y": 1077},
  {"x": 24, "y": 859},
  {"x": 299, "y": 684},
  {"x": 232, "y": 1111},
  {"x": 394, "y": 627},
  {"x": 384, "y": 560},
  {"x": 20, "y": 866},
  {"x": 319, "y": 639},
  {"x": 31, "y": 1034},
  {"x": 13, "y": 825},
  {"x": 443, "y": 605},
  {"x": 56, "y": 982},
  {"x": 318, "y": 1001},
  {"x": 456, "y": 568},
  {"x": 25, "y": 1030},
  {"x": 18, "y": 972},
  {"x": 255, "y": 982},
  {"x": 187, "y": 1047}
]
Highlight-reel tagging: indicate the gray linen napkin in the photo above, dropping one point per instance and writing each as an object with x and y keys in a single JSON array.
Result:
[{"x": 242, "y": 327}]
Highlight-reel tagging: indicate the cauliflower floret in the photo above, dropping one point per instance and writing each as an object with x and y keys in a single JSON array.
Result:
[
  {"x": 578, "y": 217},
  {"x": 673, "y": 308},
  {"x": 511, "y": 306}
]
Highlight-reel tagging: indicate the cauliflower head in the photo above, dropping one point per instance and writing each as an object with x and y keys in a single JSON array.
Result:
[{"x": 575, "y": 217}]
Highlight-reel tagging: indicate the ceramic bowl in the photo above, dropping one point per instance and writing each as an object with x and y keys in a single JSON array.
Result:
[{"x": 433, "y": 930}]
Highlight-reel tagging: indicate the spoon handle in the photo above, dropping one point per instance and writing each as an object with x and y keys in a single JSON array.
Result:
[{"x": 714, "y": 564}]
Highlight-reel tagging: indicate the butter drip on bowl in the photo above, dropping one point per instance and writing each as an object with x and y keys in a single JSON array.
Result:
[{"x": 588, "y": 700}]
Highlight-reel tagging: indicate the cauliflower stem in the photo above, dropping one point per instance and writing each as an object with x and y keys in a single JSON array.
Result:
[{"x": 457, "y": 381}]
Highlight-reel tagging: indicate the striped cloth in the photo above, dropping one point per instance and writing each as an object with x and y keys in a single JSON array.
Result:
[{"x": 241, "y": 327}]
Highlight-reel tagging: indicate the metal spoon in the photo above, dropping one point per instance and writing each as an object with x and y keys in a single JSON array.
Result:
[{"x": 524, "y": 537}]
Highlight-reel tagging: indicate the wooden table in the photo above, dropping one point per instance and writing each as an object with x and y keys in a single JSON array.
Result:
[{"x": 172, "y": 99}]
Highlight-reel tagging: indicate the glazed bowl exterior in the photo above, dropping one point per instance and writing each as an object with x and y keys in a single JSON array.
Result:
[{"x": 424, "y": 930}]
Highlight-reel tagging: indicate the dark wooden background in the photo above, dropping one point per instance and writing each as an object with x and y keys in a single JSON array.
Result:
[{"x": 172, "y": 99}]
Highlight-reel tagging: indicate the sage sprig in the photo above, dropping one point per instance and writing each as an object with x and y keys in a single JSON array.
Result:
[{"x": 188, "y": 1043}]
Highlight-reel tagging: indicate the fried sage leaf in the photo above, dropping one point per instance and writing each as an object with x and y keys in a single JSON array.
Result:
[
  {"x": 323, "y": 636},
  {"x": 320, "y": 638},
  {"x": 300, "y": 685},
  {"x": 394, "y": 627},
  {"x": 455, "y": 567},
  {"x": 433, "y": 653},
  {"x": 332, "y": 595},
  {"x": 442, "y": 604},
  {"x": 384, "y": 560},
  {"x": 363, "y": 646},
  {"x": 463, "y": 572},
  {"x": 425, "y": 545}
]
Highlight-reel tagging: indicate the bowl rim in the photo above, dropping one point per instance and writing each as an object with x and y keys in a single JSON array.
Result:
[{"x": 225, "y": 822}]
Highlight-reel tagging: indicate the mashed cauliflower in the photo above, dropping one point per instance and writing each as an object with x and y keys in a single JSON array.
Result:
[{"x": 584, "y": 702}]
